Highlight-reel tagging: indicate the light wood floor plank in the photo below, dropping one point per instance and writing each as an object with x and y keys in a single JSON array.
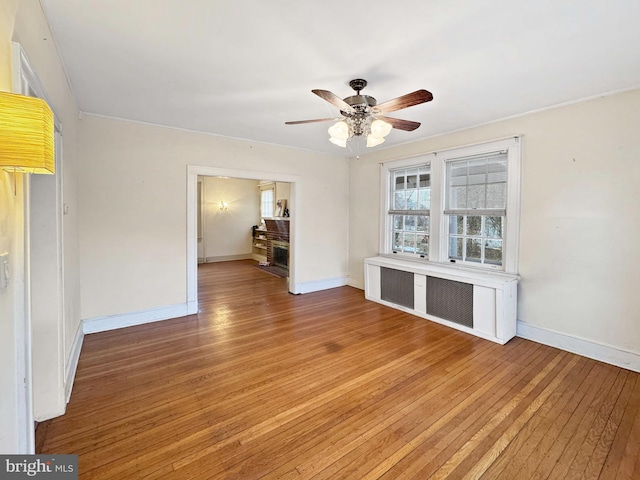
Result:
[{"x": 265, "y": 384}]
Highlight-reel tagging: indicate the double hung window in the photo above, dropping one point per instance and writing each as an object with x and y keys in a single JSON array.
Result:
[
  {"x": 476, "y": 202},
  {"x": 266, "y": 203},
  {"x": 410, "y": 205},
  {"x": 456, "y": 206}
]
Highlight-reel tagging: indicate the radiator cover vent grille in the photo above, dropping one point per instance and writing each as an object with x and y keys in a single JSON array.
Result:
[
  {"x": 396, "y": 286},
  {"x": 450, "y": 300}
]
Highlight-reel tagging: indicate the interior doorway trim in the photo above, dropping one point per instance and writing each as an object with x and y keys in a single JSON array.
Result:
[{"x": 193, "y": 171}]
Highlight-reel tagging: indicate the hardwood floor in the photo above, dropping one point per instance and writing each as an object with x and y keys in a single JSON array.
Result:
[{"x": 265, "y": 384}]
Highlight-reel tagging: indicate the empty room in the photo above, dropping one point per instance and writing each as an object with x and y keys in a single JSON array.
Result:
[{"x": 296, "y": 240}]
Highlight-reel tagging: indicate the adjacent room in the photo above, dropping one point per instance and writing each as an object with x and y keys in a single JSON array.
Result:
[{"x": 321, "y": 239}]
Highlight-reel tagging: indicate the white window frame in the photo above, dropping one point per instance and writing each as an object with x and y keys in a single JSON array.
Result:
[
  {"x": 438, "y": 228},
  {"x": 407, "y": 212}
]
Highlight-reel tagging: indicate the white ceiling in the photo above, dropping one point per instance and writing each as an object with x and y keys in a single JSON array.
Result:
[{"x": 241, "y": 68}]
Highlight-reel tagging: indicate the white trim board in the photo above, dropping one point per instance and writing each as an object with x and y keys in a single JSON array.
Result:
[
  {"x": 112, "y": 322},
  {"x": 317, "y": 285},
  {"x": 193, "y": 171},
  {"x": 356, "y": 282},
  {"x": 72, "y": 362},
  {"x": 228, "y": 258},
  {"x": 579, "y": 346}
]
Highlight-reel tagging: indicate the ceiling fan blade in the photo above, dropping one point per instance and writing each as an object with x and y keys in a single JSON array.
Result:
[
  {"x": 406, "y": 125},
  {"x": 405, "y": 101},
  {"x": 298, "y": 122},
  {"x": 333, "y": 99}
]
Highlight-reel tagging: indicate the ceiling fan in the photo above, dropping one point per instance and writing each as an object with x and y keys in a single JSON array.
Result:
[{"x": 363, "y": 116}]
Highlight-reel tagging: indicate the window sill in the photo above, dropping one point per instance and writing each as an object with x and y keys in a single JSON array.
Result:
[{"x": 452, "y": 271}]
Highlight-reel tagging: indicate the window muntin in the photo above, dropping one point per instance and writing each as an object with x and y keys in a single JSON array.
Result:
[{"x": 410, "y": 205}]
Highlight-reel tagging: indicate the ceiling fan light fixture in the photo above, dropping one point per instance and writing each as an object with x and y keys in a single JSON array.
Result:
[
  {"x": 373, "y": 141},
  {"x": 380, "y": 128},
  {"x": 341, "y": 142},
  {"x": 339, "y": 130}
]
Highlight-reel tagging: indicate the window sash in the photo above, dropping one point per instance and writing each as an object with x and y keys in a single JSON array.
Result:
[
  {"x": 411, "y": 183},
  {"x": 477, "y": 182}
]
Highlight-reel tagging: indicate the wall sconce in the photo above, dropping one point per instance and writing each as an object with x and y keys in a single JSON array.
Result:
[
  {"x": 223, "y": 206},
  {"x": 26, "y": 134}
]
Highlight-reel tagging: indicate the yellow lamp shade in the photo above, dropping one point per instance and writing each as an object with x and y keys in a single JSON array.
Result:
[{"x": 26, "y": 134}]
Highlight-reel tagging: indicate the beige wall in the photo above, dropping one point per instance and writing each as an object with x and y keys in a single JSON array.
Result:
[
  {"x": 579, "y": 238},
  {"x": 24, "y": 22},
  {"x": 227, "y": 233},
  {"x": 133, "y": 191}
]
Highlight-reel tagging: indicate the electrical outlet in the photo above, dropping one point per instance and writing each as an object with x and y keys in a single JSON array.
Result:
[{"x": 4, "y": 270}]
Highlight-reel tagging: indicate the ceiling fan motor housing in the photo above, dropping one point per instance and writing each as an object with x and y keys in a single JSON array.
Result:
[{"x": 360, "y": 120}]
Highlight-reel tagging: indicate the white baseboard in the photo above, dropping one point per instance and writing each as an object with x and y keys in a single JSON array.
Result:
[
  {"x": 317, "y": 285},
  {"x": 586, "y": 348},
  {"x": 228, "y": 258},
  {"x": 192, "y": 307},
  {"x": 72, "y": 362},
  {"x": 111, "y": 322},
  {"x": 356, "y": 282}
]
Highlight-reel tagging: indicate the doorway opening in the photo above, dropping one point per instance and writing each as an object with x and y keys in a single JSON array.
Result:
[{"x": 194, "y": 220}]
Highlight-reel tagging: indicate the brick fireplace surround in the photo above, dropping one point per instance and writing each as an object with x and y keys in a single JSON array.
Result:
[{"x": 277, "y": 230}]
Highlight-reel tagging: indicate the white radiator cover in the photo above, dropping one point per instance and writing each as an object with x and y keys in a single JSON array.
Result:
[{"x": 494, "y": 295}]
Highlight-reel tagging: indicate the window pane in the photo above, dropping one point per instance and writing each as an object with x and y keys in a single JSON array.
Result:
[
  {"x": 399, "y": 181},
  {"x": 424, "y": 199},
  {"x": 474, "y": 250},
  {"x": 493, "y": 252},
  {"x": 412, "y": 200},
  {"x": 496, "y": 195},
  {"x": 410, "y": 223},
  {"x": 474, "y": 225},
  {"x": 423, "y": 245},
  {"x": 493, "y": 227},
  {"x": 458, "y": 173},
  {"x": 425, "y": 180},
  {"x": 412, "y": 180},
  {"x": 456, "y": 224},
  {"x": 397, "y": 241},
  {"x": 475, "y": 197},
  {"x": 455, "y": 248},
  {"x": 409, "y": 242},
  {"x": 497, "y": 169},
  {"x": 423, "y": 224},
  {"x": 398, "y": 223},
  {"x": 458, "y": 197},
  {"x": 477, "y": 172},
  {"x": 399, "y": 201}
]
